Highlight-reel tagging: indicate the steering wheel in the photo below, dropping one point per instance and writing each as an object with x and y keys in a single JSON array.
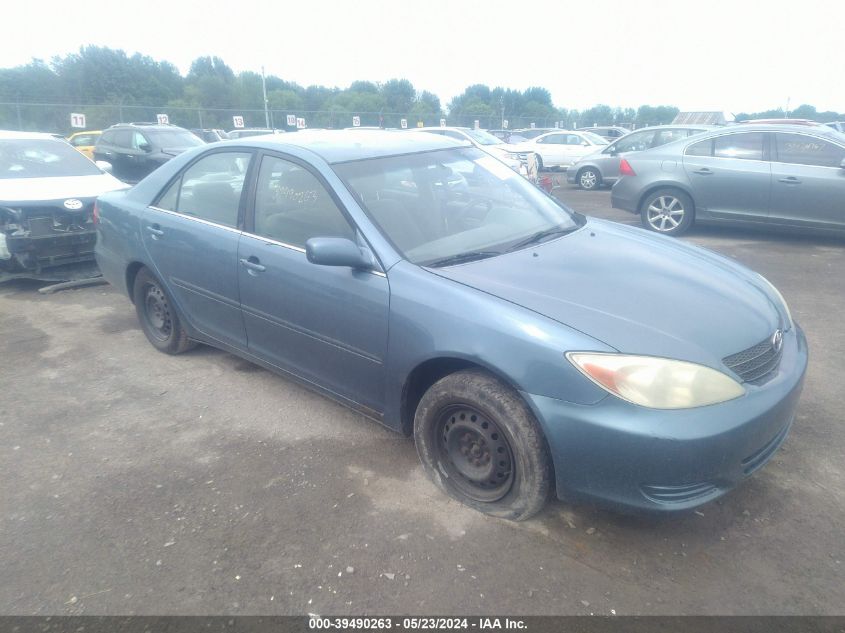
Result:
[{"x": 465, "y": 213}]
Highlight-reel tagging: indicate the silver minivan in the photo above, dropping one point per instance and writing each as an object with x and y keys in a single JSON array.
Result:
[{"x": 602, "y": 168}]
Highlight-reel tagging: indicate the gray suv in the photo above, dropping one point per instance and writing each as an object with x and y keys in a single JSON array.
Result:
[
  {"x": 788, "y": 176},
  {"x": 602, "y": 168}
]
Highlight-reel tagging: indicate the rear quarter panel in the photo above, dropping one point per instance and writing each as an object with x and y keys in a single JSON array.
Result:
[{"x": 119, "y": 237}]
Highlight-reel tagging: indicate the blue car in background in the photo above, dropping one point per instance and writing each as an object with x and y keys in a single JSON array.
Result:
[{"x": 428, "y": 286}]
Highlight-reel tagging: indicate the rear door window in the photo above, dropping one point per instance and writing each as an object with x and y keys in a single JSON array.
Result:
[
  {"x": 210, "y": 189},
  {"x": 746, "y": 146},
  {"x": 122, "y": 138}
]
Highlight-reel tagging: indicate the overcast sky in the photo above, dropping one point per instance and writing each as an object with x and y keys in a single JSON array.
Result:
[{"x": 703, "y": 55}]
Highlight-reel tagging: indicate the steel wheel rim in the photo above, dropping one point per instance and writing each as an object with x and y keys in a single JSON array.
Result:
[
  {"x": 157, "y": 312},
  {"x": 665, "y": 213},
  {"x": 474, "y": 452},
  {"x": 588, "y": 179}
]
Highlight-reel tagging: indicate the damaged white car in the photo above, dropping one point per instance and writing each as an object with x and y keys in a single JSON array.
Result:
[{"x": 47, "y": 194}]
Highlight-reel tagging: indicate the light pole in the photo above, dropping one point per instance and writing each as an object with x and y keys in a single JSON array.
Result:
[{"x": 264, "y": 91}]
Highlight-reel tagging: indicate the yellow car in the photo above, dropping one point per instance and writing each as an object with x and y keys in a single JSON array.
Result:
[{"x": 85, "y": 141}]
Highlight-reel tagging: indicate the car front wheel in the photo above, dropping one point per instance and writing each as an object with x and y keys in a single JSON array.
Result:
[
  {"x": 158, "y": 316},
  {"x": 667, "y": 211},
  {"x": 480, "y": 444}
]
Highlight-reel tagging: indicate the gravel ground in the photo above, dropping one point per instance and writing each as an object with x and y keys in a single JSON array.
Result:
[{"x": 136, "y": 483}]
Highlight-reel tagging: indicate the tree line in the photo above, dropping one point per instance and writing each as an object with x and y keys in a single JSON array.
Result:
[{"x": 115, "y": 87}]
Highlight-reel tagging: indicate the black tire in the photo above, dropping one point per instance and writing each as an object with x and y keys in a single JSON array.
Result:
[
  {"x": 539, "y": 160},
  {"x": 668, "y": 212},
  {"x": 588, "y": 178},
  {"x": 158, "y": 316},
  {"x": 506, "y": 470}
]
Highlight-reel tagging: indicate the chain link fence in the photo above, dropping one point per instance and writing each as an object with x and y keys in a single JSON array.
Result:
[{"x": 56, "y": 118}]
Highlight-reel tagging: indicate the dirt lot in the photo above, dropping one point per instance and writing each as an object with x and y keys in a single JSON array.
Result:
[{"x": 136, "y": 483}]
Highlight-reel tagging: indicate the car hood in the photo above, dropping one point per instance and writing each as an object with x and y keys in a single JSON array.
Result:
[
  {"x": 35, "y": 189},
  {"x": 598, "y": 153},
  {"x": 501, "y": 148},
  {"x": 175, "y": 151},
  {"x": 524, "y": 146},
  {"x": 636, "y": 292}
]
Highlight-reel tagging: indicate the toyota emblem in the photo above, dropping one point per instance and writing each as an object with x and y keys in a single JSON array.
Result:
[
  {"x": 777, "y": 340},
  {"x": 73, "y": 204}
]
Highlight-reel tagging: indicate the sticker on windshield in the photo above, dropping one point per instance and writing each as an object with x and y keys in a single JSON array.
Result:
[{"x": 496, "y": 167}]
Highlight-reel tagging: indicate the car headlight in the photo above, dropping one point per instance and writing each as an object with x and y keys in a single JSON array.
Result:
[
  {"x": 777, "y": 293},
  {"x": 657, "y": 383}
]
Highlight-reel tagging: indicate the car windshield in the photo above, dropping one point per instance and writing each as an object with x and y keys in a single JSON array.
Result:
[
  {"x": 173, "y": 138},
  {"x": 454, "y": 205},
  {"x": 483, "y": 138},
  {"x": 595, "y": 139},
  {"x": 42, "y": 158}
]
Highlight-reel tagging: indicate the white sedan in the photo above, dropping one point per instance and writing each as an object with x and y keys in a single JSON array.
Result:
[
  {"x": 484, "y": 141},
  {"x": 561, "y": 148},
  {"x": 47, "y": 194}
]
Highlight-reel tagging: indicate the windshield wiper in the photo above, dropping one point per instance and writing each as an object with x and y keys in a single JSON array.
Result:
[
  {"x": 461, "y": 258},
  {"x": 540, "y": 236}
]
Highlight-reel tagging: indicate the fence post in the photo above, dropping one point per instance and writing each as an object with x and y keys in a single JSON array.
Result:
[
  {"x": 199, "y": 114},
  {"x": 18, "y": 109}
]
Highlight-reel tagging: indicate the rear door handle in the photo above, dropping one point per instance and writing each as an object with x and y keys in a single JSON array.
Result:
[
  {"x": 790, "y": 180},
  {"x": 155, "y": 231},
  {"x": 704, "y": 171},
  {"x": 253, "y": 265}
]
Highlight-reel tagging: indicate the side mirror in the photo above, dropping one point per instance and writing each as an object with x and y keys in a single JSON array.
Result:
[
  {"x": 104, "y": 165},
  {"x": 145, "y": 147},
  {"x": 337, "y": 251},
  {"x": 842, "y": 164}
]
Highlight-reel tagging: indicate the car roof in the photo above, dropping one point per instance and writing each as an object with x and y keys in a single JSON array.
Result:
[
  {"x": 438, "y": 127},
  {"x": 682, "y": 126},
  {"x": 338, "y": 146},
  {"x": 14, "y": 134},
  {"x": 816, "y": 130}
]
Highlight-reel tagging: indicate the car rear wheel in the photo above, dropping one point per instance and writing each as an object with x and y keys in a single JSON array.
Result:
[
  {"x": 588, "y": 178},
  {"x": 481, "y": 445},
  {"x": 158, "y": 316},
  {"x": 667, "y": 211}
]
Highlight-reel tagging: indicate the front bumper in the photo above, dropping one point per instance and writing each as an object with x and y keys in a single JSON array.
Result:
[
  {"x": 37, "y": 252},
  {"x": 634, "y": 458}
]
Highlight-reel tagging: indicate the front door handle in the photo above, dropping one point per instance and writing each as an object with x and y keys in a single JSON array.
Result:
[
  {"x": 155, "y": 231},
  {"x": 253, "y": 265},
  {"x": 704, "y": 171},
  {"x": 790, "y": 180}
]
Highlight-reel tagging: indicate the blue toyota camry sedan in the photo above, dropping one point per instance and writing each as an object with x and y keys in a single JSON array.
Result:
[{"x": 526, "y": 348}]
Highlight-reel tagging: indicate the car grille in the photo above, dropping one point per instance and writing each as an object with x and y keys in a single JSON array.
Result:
[{"x": 756, "y": 363}]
